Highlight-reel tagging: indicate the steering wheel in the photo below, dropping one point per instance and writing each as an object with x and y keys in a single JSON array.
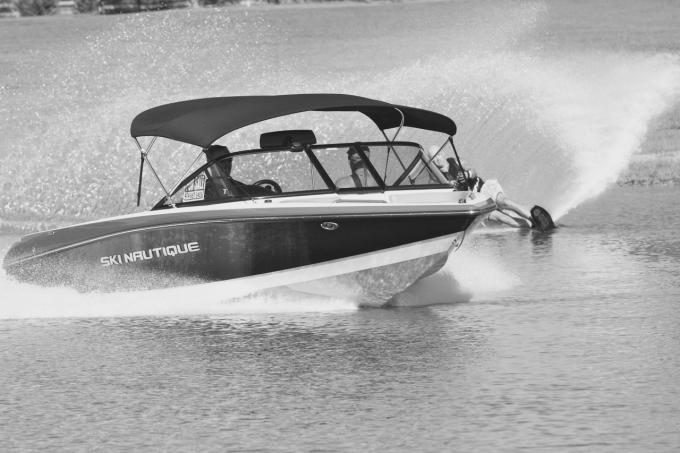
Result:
[{"x": 269, "y": 184}]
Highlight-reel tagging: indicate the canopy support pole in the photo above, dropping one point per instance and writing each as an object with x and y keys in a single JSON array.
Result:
[
  {"x": 141, "y": 173},
  {"x": 144, "y": 153},
  {"x": 460, "y": 165},
  {"x": 401, "y": 124},
  {"x": 186, "y": 173},
  {"x": 438, "y": 151},
  {"x": 448, "y": 140},
  {"x": 391, "y": 148},
  {"x": 429, "y": 162},
  {"x": 142, "y": 159}
]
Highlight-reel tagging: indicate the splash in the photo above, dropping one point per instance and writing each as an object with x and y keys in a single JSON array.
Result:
[
  {"x": 598, "y": 118},
  {"x": 21, "y": 301},
  {"x": 553, "y": 132},
  {"x": 471, "y": 273}
]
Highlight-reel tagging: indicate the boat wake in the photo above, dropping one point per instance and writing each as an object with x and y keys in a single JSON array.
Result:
[
  {"x": 552, "y": 133},
  {"x": 22, "y": 301},
  {"x": 469, "y": 274}
]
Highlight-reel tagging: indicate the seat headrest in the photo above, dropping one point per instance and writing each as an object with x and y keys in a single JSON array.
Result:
[{"x": 282, "y": 139}]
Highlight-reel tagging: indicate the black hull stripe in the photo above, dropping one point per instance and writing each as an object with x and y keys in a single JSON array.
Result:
[
  {"x": 60, "y": 248},
  {"x": 225, "y": 250}
]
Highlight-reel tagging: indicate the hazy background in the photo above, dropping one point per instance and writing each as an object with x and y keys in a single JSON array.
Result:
[
  {"x": 524, "y": 341},
  {"x": 556, "y": 99}
]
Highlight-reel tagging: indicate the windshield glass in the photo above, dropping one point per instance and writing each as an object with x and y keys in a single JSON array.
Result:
[
  {"x": 398, "y": 165},
  {"x": 283, "y": 172},
  {"x": 251, "y": 175}
]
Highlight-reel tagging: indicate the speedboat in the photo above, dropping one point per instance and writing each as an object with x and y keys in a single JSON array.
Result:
[{"x": 363, "y": 218}]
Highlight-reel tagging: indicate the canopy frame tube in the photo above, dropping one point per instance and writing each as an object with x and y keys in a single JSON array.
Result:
[
  {"x": 144, "y": 156},
  {"x": 186, "y": 173},
  {"x": 390, "y": 147},
  {"x": 401, "y": 124},
  {"x": 432, "y": 157},
  {"x": 455, "y": 151}
]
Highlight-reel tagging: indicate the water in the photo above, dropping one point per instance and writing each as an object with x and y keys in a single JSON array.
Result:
[
  {"x": 523, "y": 341},
  {"x": 538, "y": 341}
]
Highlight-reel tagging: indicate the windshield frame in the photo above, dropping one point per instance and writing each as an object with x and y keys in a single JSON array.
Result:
[{"x": 330, "y": 185}]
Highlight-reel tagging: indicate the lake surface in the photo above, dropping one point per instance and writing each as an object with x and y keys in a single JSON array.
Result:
[
  {"x": 540, "y": 342},
  {"x": 525, "y": 341}
]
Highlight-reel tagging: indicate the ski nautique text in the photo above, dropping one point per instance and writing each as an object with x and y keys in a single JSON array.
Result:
[{"x": 148, "y": 254}]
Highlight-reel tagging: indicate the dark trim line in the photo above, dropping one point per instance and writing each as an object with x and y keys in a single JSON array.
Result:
[
  {"x": 369, "y": 165},
  {"x": 322, "y": 171},
  {"x": 370, "y": 189},
  {"x": 325, "y": 146},
  {"x": 406, "y": 173},
  {"x": 420, "y": 187},
  {"x": 244, "y": 198}
]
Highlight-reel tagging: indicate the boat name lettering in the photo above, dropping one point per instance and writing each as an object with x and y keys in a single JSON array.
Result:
[{"x": 148, "y": 254}]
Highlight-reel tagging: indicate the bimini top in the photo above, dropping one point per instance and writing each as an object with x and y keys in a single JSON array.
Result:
[{"x": 202, "y": 121}]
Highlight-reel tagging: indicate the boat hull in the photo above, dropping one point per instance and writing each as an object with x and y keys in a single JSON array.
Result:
[{"x": 166, "y": 255}]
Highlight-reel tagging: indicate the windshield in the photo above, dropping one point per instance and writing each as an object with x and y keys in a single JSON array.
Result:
[
  {"x": 259, "y": 173},
  {"x": 398, "y": 165}
]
